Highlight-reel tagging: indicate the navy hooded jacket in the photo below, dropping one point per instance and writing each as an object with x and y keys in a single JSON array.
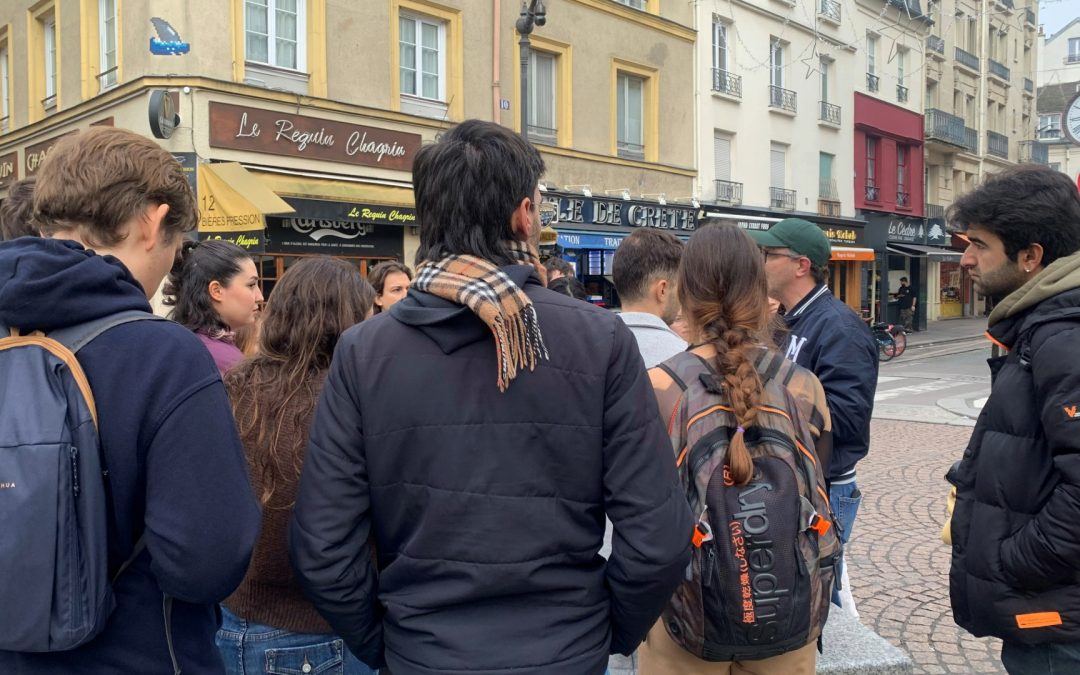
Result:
[
  {"x": 486, "y": 507},
  {"x": 176, "y": 466},
  {"x": 828, "y": 339}
]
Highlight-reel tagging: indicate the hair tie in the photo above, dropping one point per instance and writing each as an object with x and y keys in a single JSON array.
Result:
[{"x": 740, "y": 430}]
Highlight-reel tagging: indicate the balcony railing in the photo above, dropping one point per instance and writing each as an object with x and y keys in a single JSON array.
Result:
[
  {"x": 935, "y": 211},
  {"x": 935, "y": 43},
  {"x": 1072, "y": 58},
  {"x": 830, "y": 10},
  {"x": 872, "y": 193},
  {"x": 779, "y": 198},
  {"x": 872, "y": 82},
  {"x": 631, "y": 150},
  {"x": 1029, "y": 86},
  {"x": 901, "y": 93},
  {"x": 942, "y": 126},
  {"x": 971, "y": 140},
  {"x": 1029, "y": 16},
  {"x": 998, "y": 70},
  {"x": 1050, "y": 133},
  {"x": 1033, "y": 151},
  {"x": 829, "y": 113},
  {"x": 726, "y": 83},
  {"x": 827, "y": 189},
  {"x": 968, "y": 59},
  {"x": 997, "y": 144},
  {"x": 828, "y": 207},
  {"x": 728, "y": 192},
  {"x": 903, "y": 199},
  {"x": 784, "y": 99}
]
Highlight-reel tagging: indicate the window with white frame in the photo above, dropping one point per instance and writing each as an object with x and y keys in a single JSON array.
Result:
[
  {"x": 107, "y": 40},
  {"x": 422, "y": 49},
  {"x": 630, "y": 113},
  {"x": 274, "y": 33},
  {"x": 5, "y": 89},
  {"x": 1050, "y": 126},
  {"x": 1074, "y": 50},
  {"x": 824, "y": 65},
  {"x": 49, "y": 46},
  {"x": 871, "y": 55},
  {"x": 719, "y": 45},
  {"x": 542, "y": 76},
  {"x": 776, "y": 63},
  {"x": 901, "y": 62},
  {"x": 636, "y": 4}
]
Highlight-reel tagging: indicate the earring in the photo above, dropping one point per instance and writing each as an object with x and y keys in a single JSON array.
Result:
[{"x": 1027, "y": 270}]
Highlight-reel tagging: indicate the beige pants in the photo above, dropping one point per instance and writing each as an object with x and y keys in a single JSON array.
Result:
[{"x": 660, "y": 655}]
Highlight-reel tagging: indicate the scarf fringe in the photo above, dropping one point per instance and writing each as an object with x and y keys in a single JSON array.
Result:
[{"x": 518, "y": 344}]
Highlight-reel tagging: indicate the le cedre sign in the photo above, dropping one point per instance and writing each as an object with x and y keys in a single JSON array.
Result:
[{"x": 255, "y": 130}]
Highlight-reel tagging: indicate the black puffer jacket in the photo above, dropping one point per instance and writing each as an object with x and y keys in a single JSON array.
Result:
[
  {"x": 488, "y": 508},
  {"x": 1016, "y": 526}
]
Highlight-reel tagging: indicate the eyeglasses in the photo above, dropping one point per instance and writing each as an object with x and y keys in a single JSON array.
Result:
[{"x": 765, "y": 253}]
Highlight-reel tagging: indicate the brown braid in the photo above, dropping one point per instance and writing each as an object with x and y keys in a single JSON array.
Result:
[{"x": 723, "y": 293}]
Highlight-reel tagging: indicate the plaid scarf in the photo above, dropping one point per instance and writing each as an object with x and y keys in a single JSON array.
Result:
[{"x": 494, "y": 297}]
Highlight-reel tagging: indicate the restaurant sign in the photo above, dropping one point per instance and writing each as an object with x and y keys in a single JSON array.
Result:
[
  {"x": 909, "y": 231},
  {"x": 838, "y": 235},
  {"x": 333, "y": 237},
  {"x": 9, "y": 169},
  {"x": 252, "y": 241},
  {"x": 277, "y": 133},
  {"x": 622, "y": 212},
  {"x": 34, "y": 155},
  {"x": 374, "y": 214}
]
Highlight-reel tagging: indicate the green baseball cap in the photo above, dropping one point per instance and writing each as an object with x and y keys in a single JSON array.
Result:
[{"x": 801, "y": 236}]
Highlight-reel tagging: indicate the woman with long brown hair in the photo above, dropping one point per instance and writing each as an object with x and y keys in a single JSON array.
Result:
[
  {"x": 723, "y": 294},
  {"x": 273, "y": 395}
]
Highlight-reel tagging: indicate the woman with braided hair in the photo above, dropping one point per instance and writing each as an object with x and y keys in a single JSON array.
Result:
[{"x": 723, "y": 293}]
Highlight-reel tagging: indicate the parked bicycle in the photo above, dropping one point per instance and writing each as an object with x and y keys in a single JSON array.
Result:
[{"x": 891, "y": 339}]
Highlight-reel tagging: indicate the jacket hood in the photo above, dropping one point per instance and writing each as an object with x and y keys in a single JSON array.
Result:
[
  {"x": 1055, "y": 292},
  {"x": 1061, "y": 275},
  {"x": 448, "y": 324},
  {"x": 47, "y": 284}
]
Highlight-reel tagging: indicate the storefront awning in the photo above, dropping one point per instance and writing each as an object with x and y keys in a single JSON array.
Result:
[
  {"x": 919, "y": 251},
  {"x": 852, "y": 253},
  {"x": 597, "y": 241},
  {"x": 336, "y": 190},
  {"x": 232, "y": 199}
]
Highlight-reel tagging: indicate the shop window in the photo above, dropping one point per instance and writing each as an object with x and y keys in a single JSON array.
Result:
[
  {"x": 107, "y": 40},
  {"x": 272, "y": 266}
]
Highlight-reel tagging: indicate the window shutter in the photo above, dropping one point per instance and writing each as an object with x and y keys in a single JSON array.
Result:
[
  {"x": 777, "y": 162},
  {"x": 722, "y": 156}
]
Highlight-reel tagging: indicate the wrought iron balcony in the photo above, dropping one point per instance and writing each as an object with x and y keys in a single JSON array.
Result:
[
  {"x": 728, "y": 192},
  {"x": 872, "y": 193},
  {"x": 829, "y": 113},
  {"x": 726, "y": 83},
  {"x": 971, "y": 140},
  {"x": 1050, "y": 133},
  {"x": 942, "y": 126},
  {"x": 935, "y": 211},
  {"x": 1072, "y": 58},
  {"x": 829, "y": 10},
  {"x": 901, "y": 93},
  {"x": 1029, "y": 86},
  {"x": 935, "y": 43},
  {"x": 997, "y": 144},
  {"x": 872, "y": 82},
  {"x": 827, "y": 189},
  {"x": 998, "y": 70},
  {"x": 784, "y": 99},
  {"x": 903, "y": 199},
  {"x": 779, "y": 198},
  {"x": 1029, "y": 16},
  {"x": 828, "y": 207},
  {"x": 966, "y": 58},
  {"x": 1034, "y": 151}
]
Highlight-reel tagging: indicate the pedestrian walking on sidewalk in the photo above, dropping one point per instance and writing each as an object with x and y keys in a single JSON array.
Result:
[
  {"x": 906, "y": 299},
  {"x": 736, "y": 411},
  {"x": 478, "y": 433},
  {"x": 828, "y": 338},
  {"x": 180, "y": 518},
  {"x": 1015, "y": 532}
]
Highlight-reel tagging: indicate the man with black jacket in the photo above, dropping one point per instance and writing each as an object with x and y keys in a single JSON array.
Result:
[
  {"x": 1016, "y": 524},
  {"x": 829, "y": 339},
  {"x": 477, "y": 434}
]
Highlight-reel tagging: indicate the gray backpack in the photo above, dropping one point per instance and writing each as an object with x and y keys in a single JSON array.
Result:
[{"x": 53, "y": 493}]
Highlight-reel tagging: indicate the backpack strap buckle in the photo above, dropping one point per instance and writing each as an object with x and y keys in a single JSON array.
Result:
[
  {"x": 820, "y": 525},
  {"x": 702, "y": 533}
]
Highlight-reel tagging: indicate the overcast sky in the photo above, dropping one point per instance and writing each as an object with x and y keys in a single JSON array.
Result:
[{"x": 1054, "y": 14}]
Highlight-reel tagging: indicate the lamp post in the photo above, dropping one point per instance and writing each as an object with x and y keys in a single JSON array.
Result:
[{"x": 532, "y": 14}]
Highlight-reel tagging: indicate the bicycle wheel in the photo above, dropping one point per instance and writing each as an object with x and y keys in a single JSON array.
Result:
[
  {"x": 901, "y": 342},
  {"x": 886, "y": 346}
]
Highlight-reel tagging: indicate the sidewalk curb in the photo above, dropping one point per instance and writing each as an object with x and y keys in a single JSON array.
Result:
[{"x": 942, "y": 341}]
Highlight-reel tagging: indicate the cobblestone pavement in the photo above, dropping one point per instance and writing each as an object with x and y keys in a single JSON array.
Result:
[{"x": 899, "y": 567}]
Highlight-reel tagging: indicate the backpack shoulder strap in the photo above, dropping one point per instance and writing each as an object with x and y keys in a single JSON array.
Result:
[
  {"x": 684, "y": 367},
  {"x": 77, "y": 337}
]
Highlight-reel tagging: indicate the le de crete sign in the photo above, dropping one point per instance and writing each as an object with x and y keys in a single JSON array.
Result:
[
  {"x": 256, "y": 130},
  {"x": 622, "y": 213}
]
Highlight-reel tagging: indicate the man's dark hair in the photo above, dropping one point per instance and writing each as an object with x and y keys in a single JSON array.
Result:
[
  {"x": 903, "y": 278},
  {"x": 467, "y": 185},
  {"x": 17, "y": 210},
  {"x": 819, "y": 273},
  {"x": 642, "y": 257},
  {"x": 1025, "y": 205},
  {"x": 561, "y": 265}
]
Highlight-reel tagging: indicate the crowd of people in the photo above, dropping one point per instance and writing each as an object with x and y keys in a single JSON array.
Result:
[{"x": 467, "y": 468}]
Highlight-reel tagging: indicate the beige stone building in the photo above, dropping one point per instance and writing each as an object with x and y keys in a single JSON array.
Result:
[{"x": 324, "y": 104}]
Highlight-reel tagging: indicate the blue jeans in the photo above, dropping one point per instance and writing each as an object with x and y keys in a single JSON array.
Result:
[
  {"x": 1054, "y": 659},
  {"x": 248, "y": 648},
  {"x": 844, "y": 500}
]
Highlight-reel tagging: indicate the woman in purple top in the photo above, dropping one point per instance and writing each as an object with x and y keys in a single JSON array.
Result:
[{"x": 214, "y": 291}]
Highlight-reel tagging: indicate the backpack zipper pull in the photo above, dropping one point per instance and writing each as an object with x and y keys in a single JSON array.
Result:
[{"x": 74, "y": 453}]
